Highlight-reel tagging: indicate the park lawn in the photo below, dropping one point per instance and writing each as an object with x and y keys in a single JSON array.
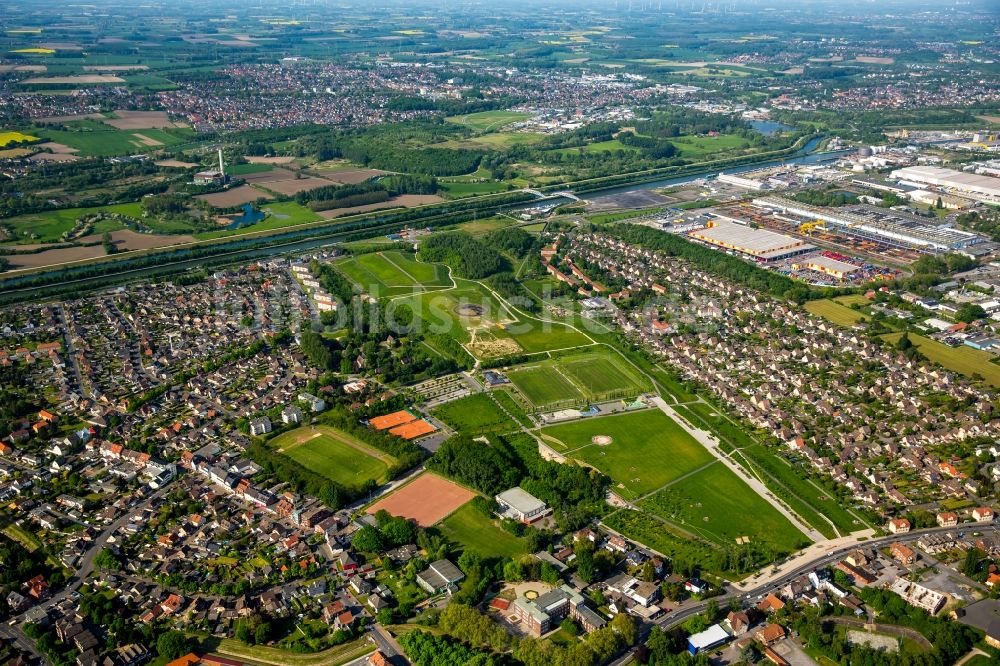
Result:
[
  {"x": 438, "y": 311},
  {"x": 507, "y": 139},
  {"x": 336, "y": 455},
  {"x": 718, "y": 506},
  {"x": 536, "y": 335},
  {"x": 472, "y": 530},
  {"x": 647, "y": 450},
  {"x": 608, "y": 146},
  {"x": 392, "y": 273},
  {"x": 963, "y": 360},
  {"x": 7, "y": 138},
  {"x": 279, "y": 216},
  {"x": 542, "y": 385},
  {"x": 834, "y": 312},
  {"x": 697, "y": 146},
  {"x": 485, "y": 225},
  {"x": 475, "y": 415},
  {"x": 51, "y": 224},
  {"x": 601, "y": 373},
  {"x": 488, "y": 121},
  {"x": 513, "y": 406}
]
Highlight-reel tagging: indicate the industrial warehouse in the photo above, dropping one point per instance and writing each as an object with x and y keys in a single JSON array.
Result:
[
  {"x": 757, "y": 243},
  {"x": 981, "y": 188},
  {"x": 877, "y": 225}
]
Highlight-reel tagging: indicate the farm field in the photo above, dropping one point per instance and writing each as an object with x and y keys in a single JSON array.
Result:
[
  {"x": 96, "y": 139},
  {"x": 488, "y": 121},
  {"x": 7, "y": 138},
  {"x": 393, "y": 273},
  {"x": 963, "y": 360},
  {"x": 474, "y": 531},
  {"x": 339, "y": 457},
  {"x": 718, "y": 506},
  {"x": 647, "y": 449},
  {"x": 425, "y": 500},
  {"x": 834, "y": 312},
  {"x": 475, "y": 414}
]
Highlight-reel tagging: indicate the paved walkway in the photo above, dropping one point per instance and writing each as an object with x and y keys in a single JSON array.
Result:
[{"x": 711, "y": 443}]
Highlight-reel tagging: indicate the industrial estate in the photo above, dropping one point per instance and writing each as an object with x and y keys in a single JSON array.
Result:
[{"x": 520, "y": 334}]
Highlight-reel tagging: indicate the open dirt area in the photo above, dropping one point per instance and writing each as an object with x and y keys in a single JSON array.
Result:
[
  {"x": 354, "y": 176},
  {"x": 69, "y": 119},
  {"x": 177, "y": 164},
  {"x": 280, "y": 159},
  {"x": 11, "y": 153},
  {"x": 626, "y": 200},
  {"x": 52, "y": 257},
  {"x": 234, "y": 197},
  {"x": 7, "y": 69},
  {"x": 146, "y": 141},
  {"x": 78, "y": 78},
  {"x": 133, "y": 120},
  {"x": 292, "y": 186},
  {"x": 54, "y": 157},
  {"x": 404, "y": 200},
  {"x": 57, "y": 148},
  {"x": 274, "y": 175},
  {"x": 426, "y": 500},
  {"x": 126, "y": 239}
]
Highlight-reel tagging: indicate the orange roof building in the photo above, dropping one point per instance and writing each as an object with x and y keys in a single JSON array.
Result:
[
  {"x": 187, "y": 660},
  {"x": 391, "y": 420},
  {"x": 413, "y": 429}
]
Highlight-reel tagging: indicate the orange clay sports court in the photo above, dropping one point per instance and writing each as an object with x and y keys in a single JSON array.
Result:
[{"x": 425, "y": 500}]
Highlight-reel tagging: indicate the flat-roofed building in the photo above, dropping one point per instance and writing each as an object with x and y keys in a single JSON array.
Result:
[
  {"x": 756, "y": 243},
  {"x": 706, "y": 640},
  {"x": 828, "y": 266},
  {"x": 518, "y": 504},
  {"x": 918, "y": 595},
  {"x": 544, "y": 613},
  {"x": 982, "y": 188}
]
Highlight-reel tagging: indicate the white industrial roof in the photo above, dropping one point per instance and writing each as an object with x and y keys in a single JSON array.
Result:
[{"x": 709, "y": 638}]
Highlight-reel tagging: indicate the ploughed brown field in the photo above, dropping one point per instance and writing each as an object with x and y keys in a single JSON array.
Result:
[
  {"x": 234, "y": 197},
  {"x": 133, "y": 120},
  {"x": 403, "y": 200}
]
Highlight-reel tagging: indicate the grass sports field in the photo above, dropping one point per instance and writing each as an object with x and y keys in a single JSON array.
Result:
[
  {"x": 543, "y": 385},
  {"x": 393, "y": 273},
  {"x": 474, "y": 531},
  {"x": 834, "y": 312},
  {"x": 963, "y": 360},
  {"x": 475, "y": 414},
  {"x": 591, "y": 375},
  {"x": 716, "y": 505},
  {"x": 488, "y": 121},
  {"x": 334, "y": 454},
  {"x": 647, "y": 449}
]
